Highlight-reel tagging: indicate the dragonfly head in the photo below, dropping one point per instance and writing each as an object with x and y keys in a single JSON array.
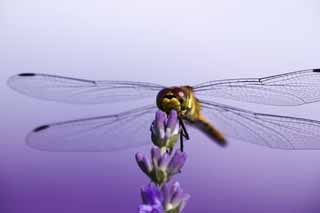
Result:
[{"x": 176, "y": 98}]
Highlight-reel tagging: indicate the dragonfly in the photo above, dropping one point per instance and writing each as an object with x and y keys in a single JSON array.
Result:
[{"x": 196, "y": 106}]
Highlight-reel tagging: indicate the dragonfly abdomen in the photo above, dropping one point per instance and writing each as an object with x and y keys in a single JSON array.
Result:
[{"x": 208, "y": 129}]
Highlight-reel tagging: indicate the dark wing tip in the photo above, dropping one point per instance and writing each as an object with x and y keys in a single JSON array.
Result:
[
  {"x": 316, "y": 70},
  {"x": 26, "y": 74},
  {"x": 40, "y": 128}
]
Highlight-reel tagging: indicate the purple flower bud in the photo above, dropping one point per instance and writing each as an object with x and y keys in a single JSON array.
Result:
[
  {"x": 155, "y": 156},
  {"x": 177, "y": 194},
  {"x": 172, "y": 122},
  {"x": 160, "y": 119},
  {"x": 166, "y": 193},
  {"x": 176, "y": 163},
  {"x": 174, "y": 199},
  {"x": 151, "y": 195},
  {"x": 165, "y": 130},
  {"x": 152, "y": 199},
  {"x": 164, "y": 161},
  {"x": 144, "y": 163},
  {"x": 158, "y": 128}
]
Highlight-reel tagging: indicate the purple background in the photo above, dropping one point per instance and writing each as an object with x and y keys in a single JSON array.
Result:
[{"x": 167, "y": 42}]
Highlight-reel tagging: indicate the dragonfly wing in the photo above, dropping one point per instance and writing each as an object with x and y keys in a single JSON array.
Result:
[
  {"x": 290, "y": 89},
  {"x": 106, "y": 133},
  {"x": 274, "y": 131},
  {"x": 80, "y": 91}
]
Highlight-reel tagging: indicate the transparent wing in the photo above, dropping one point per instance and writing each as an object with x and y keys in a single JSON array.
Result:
[
  {"x": 79, "y": 91},
  {"x": 295, "y": 88},
  {"x": 274, "y": 131},
  {"x": 106, "y": 133}
]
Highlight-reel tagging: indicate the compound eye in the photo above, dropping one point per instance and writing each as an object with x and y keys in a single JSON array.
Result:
[
  {"x": 163, "y": 93},
  {"x": 178, "y": 92}
]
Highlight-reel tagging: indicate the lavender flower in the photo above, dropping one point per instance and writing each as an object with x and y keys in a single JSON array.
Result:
[
  {"x": 165, "y": 129},
  {"x": 170, "y": 199},
  {"x": 162, "y": 166},
  {"x": 174, "y": 199},
  {"x": 152, "y": 200},
  {"x": 161, "y": 196}
]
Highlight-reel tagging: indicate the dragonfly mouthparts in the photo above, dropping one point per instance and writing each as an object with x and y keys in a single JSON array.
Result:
[{"x": 169, "y": 96}]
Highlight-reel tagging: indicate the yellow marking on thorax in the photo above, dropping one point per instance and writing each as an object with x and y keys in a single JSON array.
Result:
[{"x": 194, "y": 106}]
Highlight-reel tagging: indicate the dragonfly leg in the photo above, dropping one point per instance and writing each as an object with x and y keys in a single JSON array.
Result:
[
  {"x": 183, "y": 135},
  {"x": 181, "y": 141}
]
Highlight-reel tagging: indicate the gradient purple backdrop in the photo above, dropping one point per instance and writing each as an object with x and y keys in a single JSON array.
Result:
[{"x": 166, "y": 42}]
